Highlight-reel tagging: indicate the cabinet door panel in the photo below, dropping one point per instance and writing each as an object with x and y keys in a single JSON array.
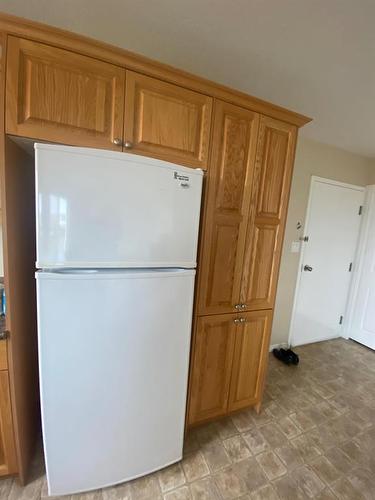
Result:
[
  {"x": 7, "y": 449},
  {"x": 270, "y": 195},
  {"x": 226, "y": 211},
  {"x": 57, "y": 95},
  {"x": 211, "y": 367},
  {"x": 250, "y": 359},
  {"x": 167, "y": 121}
]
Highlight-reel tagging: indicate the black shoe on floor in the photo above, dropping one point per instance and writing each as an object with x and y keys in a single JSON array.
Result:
[
  {"x": 294, "y": 357},
  {"x": 283, "y": 356}
]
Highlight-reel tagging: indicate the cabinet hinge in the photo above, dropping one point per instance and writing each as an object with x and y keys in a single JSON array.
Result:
[{"x": 341, "y": 320}]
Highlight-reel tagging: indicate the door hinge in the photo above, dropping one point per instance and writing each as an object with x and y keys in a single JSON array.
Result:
[
  {"x": 360, "y": 210},
  {"x": 350, "y": 267},
  {"x": 341, "y": 320}
]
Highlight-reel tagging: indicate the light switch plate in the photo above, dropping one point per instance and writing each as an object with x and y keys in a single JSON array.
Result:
[{"x": 296, "y": 246}]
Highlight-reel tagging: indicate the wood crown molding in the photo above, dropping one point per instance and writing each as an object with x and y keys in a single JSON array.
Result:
[{"x": 100, "y": 50}]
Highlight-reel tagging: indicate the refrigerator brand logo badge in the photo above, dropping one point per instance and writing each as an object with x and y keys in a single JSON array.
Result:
[{"x": 180, "y": 177}]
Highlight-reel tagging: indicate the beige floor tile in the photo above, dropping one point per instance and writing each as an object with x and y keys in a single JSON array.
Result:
[
  {"x": 236, "y": 448},
  {"x": 204, "y": 489},
  {"x": 251, "y": 473},
  {"x": 288, "y": 427},
  {"x": 255, "y": 441},
  {"x": 243, "y": 421},
  {"x": 230, "y": 485},
  {"x": 265, "y": 493},
  {"x": 326, "y": 494},
  {"x": 182, "y": 493},
  {"x": 290, "y": 456},
  {"x": 325, "y": 470},
  {"x": 271, "y": 464},
  {"x": 302, "y": 421},
  {"x": 363, "y": 481},
  {"x": 145, "y": 488},
  {"x": 273, "y": 435},
  {"x": 288, "y": 489},
  {"x": 306, "y": 447},
  {"x": 171, "y": 477},
  {"x": 195, "y": 466},
  {"x": 344, "y": 490},
  {"x": 226, "y": 428},
  {"x": 120, "y": 492},
  {"x": 308, "y": 481},
  {"x": 339, "y": 460},
  {"x": 216, "y": 456}
]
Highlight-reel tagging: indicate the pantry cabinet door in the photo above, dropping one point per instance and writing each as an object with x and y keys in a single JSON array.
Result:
[
  {"x": 8, "y": 464},
  {"x": 166, "y": 121},
  {"x": 250, "y": 359},
  {"x": 59, "y": 96},
  {"x": 229, "y": 181},
  {"x": 270, "y": 196},
  {"x": 211, "y": 367}
]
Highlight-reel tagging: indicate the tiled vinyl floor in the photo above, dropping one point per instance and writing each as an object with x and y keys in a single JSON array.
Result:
[{"x": 315, "y": 438}]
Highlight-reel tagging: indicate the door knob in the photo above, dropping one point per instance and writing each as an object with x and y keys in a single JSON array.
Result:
[
  {"x": 117, "y": 141},
  {"x": 128, "y": 144},
  {"x": 307, "y": 268}
]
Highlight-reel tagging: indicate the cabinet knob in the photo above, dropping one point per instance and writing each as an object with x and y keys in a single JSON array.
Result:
[
  {"x": 128, "y": 144},
  {"x": 242, "y": 320},
  {"x": 237, "y": 320},
  {"x": 238, "y": 306},
  {"x": 117, "y": 141},
  {"x": 243, "y": 306}
]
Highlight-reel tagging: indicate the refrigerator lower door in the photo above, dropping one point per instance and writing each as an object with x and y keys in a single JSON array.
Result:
[{"x": 113, "y": 358}]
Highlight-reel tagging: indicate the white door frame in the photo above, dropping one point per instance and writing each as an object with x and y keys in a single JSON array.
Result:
[
  {"x": 357, "y": 268},
  {"x": 314, "y": 180}
]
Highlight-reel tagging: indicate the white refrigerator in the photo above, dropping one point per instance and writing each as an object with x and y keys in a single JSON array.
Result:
[{"x": 116, "y": 251}]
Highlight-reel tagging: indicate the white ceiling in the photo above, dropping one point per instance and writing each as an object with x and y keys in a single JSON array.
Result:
[{"x": 316, "y": 57}]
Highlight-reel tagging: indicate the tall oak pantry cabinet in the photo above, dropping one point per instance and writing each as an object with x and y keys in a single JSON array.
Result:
[{"x": 60, "y": 87}]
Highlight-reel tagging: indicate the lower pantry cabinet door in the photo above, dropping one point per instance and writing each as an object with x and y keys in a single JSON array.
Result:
[
  {"x": 8, "y": 463},
  {"x": 250, "y": 359},
  {"x": 211, "y": 367}
]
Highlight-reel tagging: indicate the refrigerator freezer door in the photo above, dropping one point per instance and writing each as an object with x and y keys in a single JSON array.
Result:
[
  {"x": 100, "y": 208},
  {"x": 113, "y": 354}
]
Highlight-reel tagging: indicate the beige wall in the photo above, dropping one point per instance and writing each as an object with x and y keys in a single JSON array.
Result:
[{"x": 312, "y": 158}]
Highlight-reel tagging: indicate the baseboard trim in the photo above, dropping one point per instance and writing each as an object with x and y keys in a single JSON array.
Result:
[{"x": 318, "y": 339}]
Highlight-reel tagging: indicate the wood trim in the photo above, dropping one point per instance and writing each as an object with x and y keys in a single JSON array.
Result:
[
  {"x": 6, "y": 426},
  {"x": 17, "y": 173},
  {"x": 106, "y": 52}
]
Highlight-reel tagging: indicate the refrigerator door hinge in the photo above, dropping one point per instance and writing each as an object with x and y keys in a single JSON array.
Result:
[
  {"x": 350, "y": 267},
  {"x": 360, "y": 210},
  {"x": 341, "y": 320}
]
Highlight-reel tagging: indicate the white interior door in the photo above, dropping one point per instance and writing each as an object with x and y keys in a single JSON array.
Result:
[
  {"x": 332, "y": 228},
  {"x": 362, "y": 324}
]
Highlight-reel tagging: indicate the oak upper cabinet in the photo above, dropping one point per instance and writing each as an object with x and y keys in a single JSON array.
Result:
[
  {"x": 8, "y": 461},
  {"x": 59, "y": 96},
  {"x": 270, "y": 195},
  {"x": 211, "y": 367},
  {"x": 166, "y": 121},
  {"x": 229, "y": 183},
  {"x": 250, "y": 359}
]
